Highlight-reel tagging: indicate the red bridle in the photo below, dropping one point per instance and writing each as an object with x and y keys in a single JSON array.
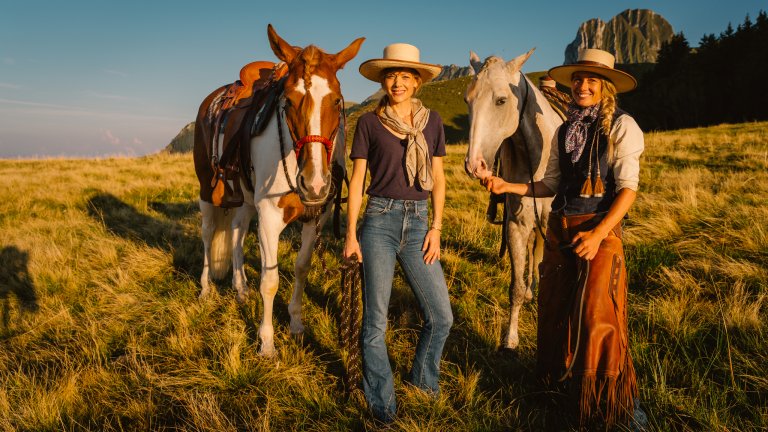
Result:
[{"x": 315, "y": 138}]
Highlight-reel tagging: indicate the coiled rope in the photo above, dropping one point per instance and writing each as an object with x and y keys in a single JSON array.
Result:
[{"x": 350, "y": 322}]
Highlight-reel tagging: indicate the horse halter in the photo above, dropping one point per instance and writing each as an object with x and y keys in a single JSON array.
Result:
[
  {"x": 299, "y": 144},
  {"x": 328, "y": 143}
]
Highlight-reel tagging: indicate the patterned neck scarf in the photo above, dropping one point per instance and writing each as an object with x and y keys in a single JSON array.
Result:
[
  {"x": 417, "y": 161},
  {"x": 579, "y": 121}
]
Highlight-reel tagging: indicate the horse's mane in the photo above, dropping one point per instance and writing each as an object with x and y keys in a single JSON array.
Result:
[
  {"x": 310, "y": 56},
  {"x": 491, "y": 60}
]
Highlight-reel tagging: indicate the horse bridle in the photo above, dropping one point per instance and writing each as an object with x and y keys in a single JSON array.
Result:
[{"x": 298, "y": 144}]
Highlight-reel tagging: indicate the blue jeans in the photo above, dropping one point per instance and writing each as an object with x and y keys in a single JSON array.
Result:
[{"x": 394, "y": 230}]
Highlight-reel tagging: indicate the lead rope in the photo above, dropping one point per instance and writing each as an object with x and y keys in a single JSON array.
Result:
[
  {"x": 350, "y": 322},
  {"x": 350, "y": 319},
  {"x": 351, "y": 280},
  {"x": 282, "y": 150}
]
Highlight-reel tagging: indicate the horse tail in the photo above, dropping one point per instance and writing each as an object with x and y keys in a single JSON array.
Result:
[{"x": 221, "y": 244}]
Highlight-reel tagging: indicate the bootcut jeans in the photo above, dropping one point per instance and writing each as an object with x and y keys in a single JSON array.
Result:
[{"x": 394, "y": 230}]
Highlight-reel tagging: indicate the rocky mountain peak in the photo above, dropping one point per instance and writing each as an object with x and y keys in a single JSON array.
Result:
[
  {"x": 633, "y": 36},
  {"x": 452, "y": 72}
]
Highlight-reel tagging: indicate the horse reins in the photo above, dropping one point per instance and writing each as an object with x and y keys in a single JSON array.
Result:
[
  {"x": 350, "y": 271},
  {"x": 537, "y": 219}
]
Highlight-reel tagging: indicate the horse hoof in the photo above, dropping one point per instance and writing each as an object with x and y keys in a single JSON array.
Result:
[
  {"x": 298, "y": 337},
  {"x": 243, "y": 296},
  {"x": 508, "y": 351},
  {"x": 268, "y": 353},
  {"x": 528, "y": 295},
  {"x": 297, "y": 329}
]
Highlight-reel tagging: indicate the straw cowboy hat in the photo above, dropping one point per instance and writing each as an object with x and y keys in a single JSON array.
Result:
[
  {"x": 596, "y": 61},
  {"x": 399, "y": 55}
]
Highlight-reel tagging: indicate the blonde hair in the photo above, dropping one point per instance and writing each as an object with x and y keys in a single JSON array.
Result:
[
  {"x": 607, "y": 109},
  {"x": 385, "y": 99}
]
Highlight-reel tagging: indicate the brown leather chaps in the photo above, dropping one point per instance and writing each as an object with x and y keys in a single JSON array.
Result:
[{"x": 582, "y": 324}]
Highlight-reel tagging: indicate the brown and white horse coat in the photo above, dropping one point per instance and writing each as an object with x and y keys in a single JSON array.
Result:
[{"x": 310, "y": 109}]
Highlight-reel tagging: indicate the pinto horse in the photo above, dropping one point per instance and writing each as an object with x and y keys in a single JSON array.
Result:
[
  {"x": 511, "y": 118},
  {"x": 292, "y": 158}
]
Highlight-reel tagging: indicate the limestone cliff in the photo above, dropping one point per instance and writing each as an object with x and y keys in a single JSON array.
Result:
[{"x": 633, "y": 36}]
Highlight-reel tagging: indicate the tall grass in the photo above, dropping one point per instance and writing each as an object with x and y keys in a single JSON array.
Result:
[{"x": 101, "y": 327}]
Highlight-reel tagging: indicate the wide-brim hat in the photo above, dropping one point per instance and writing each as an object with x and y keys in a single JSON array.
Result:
[
  {"x": 596, "y": 61},
  {"x": 399, "y": 55}
]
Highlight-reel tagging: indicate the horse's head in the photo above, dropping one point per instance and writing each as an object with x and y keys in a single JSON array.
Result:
[
  {"x": 495, "y": 98},
  {"x": 312, "y": 103}
]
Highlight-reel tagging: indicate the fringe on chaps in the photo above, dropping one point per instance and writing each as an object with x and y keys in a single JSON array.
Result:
[{"x": 582, "y": 323}]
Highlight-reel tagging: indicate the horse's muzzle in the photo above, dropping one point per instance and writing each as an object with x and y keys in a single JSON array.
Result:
[
  {"x": 476, "y": 168},
  {"x": 315, "y": 192}
]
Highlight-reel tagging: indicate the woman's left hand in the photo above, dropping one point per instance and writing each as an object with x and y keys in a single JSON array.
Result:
[
  {"x": 587, "y": 243},
  {"x": 495, "y": 184},
  {"x": 431, "y": 246}
]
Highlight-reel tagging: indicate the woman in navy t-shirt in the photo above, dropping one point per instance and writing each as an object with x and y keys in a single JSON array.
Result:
[{"x": 402, "y": 144}]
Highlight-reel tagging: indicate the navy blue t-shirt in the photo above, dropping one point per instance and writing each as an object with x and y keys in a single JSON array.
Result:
[{"x": 385, "y": 153}]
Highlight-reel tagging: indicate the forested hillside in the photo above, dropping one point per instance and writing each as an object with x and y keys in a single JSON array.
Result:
[{"x": 721, "y": 81}]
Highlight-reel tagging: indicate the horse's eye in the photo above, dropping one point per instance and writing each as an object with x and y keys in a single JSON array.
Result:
[
  {"x": 337, "y": 102},
  {"x": 501, "y": 101}
]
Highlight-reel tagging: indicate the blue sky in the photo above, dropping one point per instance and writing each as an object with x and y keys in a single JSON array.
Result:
[{"x": 98, "y": 78}]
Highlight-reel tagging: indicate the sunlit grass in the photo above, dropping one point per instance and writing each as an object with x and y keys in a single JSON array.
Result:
[{"x": 101, "y": 328}]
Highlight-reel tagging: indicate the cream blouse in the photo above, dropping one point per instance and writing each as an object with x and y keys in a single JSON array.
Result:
[{"x": 626, "y": 162}]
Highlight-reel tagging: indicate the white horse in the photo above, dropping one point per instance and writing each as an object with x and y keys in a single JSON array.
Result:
[
  {"x": 510, "y": 117},
  {"x": 292, "y": 156}
]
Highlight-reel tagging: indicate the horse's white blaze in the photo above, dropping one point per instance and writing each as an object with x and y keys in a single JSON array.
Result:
[{"x": 319, "y": 90}]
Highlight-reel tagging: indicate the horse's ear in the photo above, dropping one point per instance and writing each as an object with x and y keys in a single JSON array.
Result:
[
  {"x": 516, "y": 63},
  {"x": 282, "y": 49},
  {"x": 475, "y": 62},
  {"x": 342, "y": 57}
]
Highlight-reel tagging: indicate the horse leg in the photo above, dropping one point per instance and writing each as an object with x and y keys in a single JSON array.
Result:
[
  {"x": 301, "y": 270},
  {"x": 532, "y": 273},
  {"x": 240, "y": 222},
  {"x": 217, "y": 247},
  {"x": 270, "y": 225},
  {"x": 538, "y": 254},
  {"x": 207, "y": 229},
  {"x": 518, "y": 254}
]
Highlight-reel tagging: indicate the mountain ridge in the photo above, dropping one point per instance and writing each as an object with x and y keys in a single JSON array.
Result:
[{"x": 632, "y": 36}]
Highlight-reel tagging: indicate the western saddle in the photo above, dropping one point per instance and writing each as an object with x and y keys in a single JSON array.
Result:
[{"x": 239, "y": 113}]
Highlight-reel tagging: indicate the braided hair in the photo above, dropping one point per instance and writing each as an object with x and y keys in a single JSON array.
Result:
[{"x": 607, "y": 109}]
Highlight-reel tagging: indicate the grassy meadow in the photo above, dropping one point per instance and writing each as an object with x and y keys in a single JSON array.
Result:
[{"x": 101, "y": 328}]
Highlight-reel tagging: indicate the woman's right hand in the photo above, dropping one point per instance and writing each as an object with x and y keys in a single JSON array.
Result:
[{"x": 352, "y": 249}]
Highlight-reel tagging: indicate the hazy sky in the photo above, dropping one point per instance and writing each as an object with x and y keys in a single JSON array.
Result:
[{"x": 96, "y": 78}]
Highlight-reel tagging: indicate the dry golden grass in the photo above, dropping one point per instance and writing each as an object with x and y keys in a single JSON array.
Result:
[{"x": 101, "y": 328}]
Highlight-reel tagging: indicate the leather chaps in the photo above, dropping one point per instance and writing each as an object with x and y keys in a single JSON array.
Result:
[{"x": 582, "y": 323}]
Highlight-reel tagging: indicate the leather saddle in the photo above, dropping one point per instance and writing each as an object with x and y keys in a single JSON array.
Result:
[{"x": 240, "y": 112}]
